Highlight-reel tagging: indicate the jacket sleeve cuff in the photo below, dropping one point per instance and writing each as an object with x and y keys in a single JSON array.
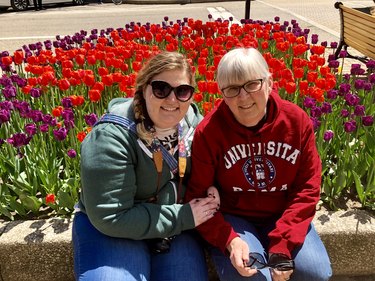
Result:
[
  {"x": 231, "y": 236},
  {"x": 281, "y": 247}
]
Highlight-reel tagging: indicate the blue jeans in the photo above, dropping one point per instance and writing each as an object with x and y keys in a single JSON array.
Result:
[
  {"x": 311, "y": 259},
  {"x": 98, "y": 257}
]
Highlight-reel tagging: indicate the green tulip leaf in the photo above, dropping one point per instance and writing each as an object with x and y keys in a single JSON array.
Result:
[
  {"x": 65, "y": 200},
  {"x": 30, "y": 203}
]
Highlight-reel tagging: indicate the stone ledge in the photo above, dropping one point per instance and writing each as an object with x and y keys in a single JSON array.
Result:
[{"x": 42, "y": 250}]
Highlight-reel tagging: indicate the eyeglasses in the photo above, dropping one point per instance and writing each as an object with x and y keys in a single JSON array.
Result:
[
  {"x": 250, "y": 87},
  {"x": 280, "y": 262},
  {"x": 162, "y": 89}
]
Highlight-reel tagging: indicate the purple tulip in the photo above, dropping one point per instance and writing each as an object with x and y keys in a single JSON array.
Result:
[
  {"x": 333, "y": 64},
  {"x": 350, "y": 126},
  {"x": 19, "y": 139},
  {"x": 314, "y": 38},
  {"x": 367, "y": 120},
  {"x": 352, "y": 99},
  {"x": 316, "y": 123},
  {"x": 346, "y": 77},
  {"x": 359, "y": 110},
  {"x": 36, "y": 115},
  {"x": 47, "y": 119},
  {"x": 333, "y": 45},
  {"x": 23, "y": 108},
  {"x": 91, "y": 119},
  {"x": 344, "y": 88},
  {"x": 367, "y": 86},
  {"x": 316, "y": 112},
  {"x": 67, "y": 103},
  {"x": 32, "y": 47},
  {"x": 30, "y": 129},
  {"x": 328, "y": 135},
  {"x": 48, "y": 44},
  {"x": 35, "y": 92},
  {"x": 326, "y": 107},
  {"x": 343, "y": 54},
  {"x": 332, "y": 94},
  {"x": 60, "y": 134},
  {"x": 72, "y": 153},
  {"x": 309, "y": 102},
  {"x": 68, "y": 117},
  {"x": 370, "y": 64},
  {"x": 9, "y": 92},
  {"x": 4, "y": 116},
  {"x": 7, "y": 105},
  {"x": 5, "y": 81},
  {"x": 356, "y": 69},
  {"x": 44, "y": 128},
  {"x": 344, "y": 113},
  {"x": 53, "y": 122},
  {"x": 21, "y": 82},
  {"x": 359, "y": 84},
  {"x": 56, "y": 44}
]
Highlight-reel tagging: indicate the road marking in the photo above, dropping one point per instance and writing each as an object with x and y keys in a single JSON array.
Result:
[
  {"x": 334, "y": 33},
  {"x": 27, "y": 37},
  {"x": 220, "y": 12}
]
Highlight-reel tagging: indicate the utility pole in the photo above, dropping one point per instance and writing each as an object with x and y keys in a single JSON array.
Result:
[{"x": 247, "y": 9}]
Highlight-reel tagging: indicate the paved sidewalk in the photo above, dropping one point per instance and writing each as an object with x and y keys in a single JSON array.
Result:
[{"x": 320, "y": 16}]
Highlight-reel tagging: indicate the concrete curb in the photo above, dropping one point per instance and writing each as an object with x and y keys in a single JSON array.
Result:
[{"x": 42, "y": 250}]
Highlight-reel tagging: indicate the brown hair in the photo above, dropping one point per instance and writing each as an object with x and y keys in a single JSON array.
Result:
[{"x": 159, "y": 63}]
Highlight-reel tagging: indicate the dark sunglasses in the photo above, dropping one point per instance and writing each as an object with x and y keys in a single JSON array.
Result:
[
  {"x": 162, "y": 89},
  {"x": 281, "y": 263}
]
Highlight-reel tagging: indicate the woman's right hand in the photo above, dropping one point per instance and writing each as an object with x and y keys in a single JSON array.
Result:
[
  {"x": 239, "y": 256},
  {"x": 203, "y": 209}
]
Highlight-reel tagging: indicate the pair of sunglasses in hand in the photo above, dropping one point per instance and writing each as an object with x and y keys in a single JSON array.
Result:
[{"x": 279, "y": 262}]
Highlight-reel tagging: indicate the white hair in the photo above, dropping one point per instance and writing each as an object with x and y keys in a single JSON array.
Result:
[{"x": 240, "y": 65}]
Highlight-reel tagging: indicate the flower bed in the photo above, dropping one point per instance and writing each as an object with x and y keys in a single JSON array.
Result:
[{"x": 53, "y": 92}]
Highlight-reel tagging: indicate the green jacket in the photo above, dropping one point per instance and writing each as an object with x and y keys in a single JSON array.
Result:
[{"x": 118, "y": 176}]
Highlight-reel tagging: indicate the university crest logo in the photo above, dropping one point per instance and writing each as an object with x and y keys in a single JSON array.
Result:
[{"x": 263, "y": 168}]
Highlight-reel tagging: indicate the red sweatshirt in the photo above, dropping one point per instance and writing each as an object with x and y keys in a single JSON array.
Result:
[{"x": 266, "y": 173}]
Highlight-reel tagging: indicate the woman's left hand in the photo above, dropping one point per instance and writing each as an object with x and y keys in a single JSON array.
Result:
[
  {"x": 278, "y": 275},
  {"x": 214, "y": 193}
]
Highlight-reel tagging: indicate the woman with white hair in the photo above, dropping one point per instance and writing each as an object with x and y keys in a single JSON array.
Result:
[{"x": 260, "y": 152}]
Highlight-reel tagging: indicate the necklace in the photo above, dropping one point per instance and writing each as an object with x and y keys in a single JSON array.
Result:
[{"x": 157, "y": 155}]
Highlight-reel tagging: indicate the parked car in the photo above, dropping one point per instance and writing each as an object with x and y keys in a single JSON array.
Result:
[{"x": 22, "y": 5}]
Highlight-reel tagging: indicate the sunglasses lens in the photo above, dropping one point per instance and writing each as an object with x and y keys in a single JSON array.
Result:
[
  {"x": 161, "y": 89},
  {"x": 184, "y": 92},
  {"x": 281, "y": 262},
  {"x": 285, "y": 266},
  {"x": 256, "y": 261}
]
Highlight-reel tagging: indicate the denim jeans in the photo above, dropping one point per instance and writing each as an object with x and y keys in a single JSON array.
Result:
[
  {"x": 311, "y": 259},
  {"x": 98, "y": 257}
]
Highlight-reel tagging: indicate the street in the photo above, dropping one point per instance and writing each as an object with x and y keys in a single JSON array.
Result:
[{"x": 19, "y": 28}]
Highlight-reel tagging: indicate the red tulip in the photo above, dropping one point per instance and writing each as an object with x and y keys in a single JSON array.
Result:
[
  {"x": 63, "y": 84},
  {"x": 18, "y": 57}
]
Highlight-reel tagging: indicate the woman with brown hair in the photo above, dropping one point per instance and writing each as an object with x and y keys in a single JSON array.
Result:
[{"x": 131, "y": 223}]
